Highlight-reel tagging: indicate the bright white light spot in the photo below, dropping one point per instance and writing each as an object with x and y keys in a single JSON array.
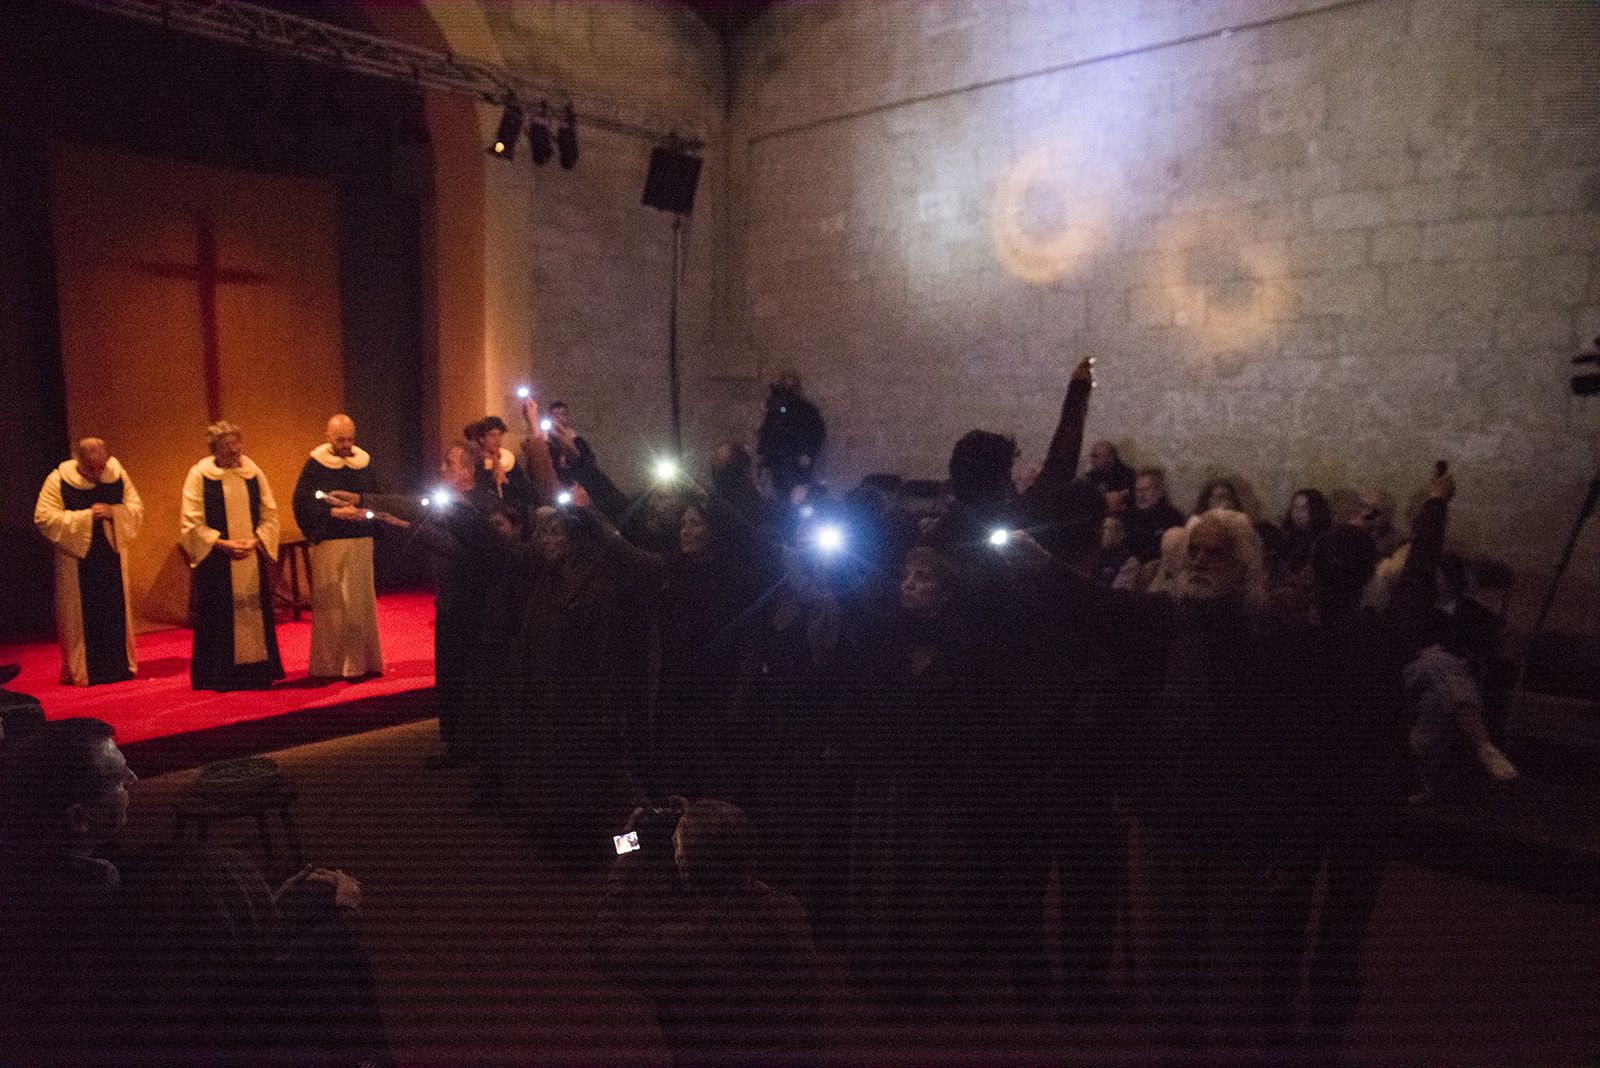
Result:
[
  {"x": 830, "y": 537},
  {"x": 666, "y": 469},
  {"x": 999, "y": 538},
  {"x": 547, "y": 424},
  {"x": 372, "y": 515},
  {"x": 320, "y": 495},
  {"x": 523, "y": 392},
  {"x": 564, "y": 498},
  {"x": 441, "y": 497}
]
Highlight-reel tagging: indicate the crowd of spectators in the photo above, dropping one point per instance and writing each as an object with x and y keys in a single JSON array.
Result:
[{"x": 889, "y": 722}]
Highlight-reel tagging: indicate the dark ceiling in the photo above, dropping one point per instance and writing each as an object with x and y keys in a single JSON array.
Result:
[{"x": 728, "y": 17}]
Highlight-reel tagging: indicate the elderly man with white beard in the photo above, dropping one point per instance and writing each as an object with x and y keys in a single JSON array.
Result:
[{"x": 1194, "y": 676}]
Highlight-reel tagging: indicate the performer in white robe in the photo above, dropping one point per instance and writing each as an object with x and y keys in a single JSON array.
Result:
[
  {"x": 90, "y": 511},
  {"x": 229, "y": 529},
  {"x": 344, "y": 611}
]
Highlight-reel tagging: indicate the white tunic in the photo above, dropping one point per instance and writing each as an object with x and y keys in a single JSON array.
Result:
[
  {"x": 249, "y": 629},
  {"x": 344, "y": 607},
  {"x": 72, "y": 532}
]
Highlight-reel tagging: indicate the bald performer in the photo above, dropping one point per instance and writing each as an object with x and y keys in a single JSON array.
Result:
[
  {"x": 89, "y": 510},
  {"x": 344, "y": 613}
]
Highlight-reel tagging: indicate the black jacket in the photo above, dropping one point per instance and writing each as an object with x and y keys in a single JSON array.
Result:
[{"x": 792, "y": 428}]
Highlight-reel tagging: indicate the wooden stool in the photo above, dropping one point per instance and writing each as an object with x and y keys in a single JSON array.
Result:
[
  {"x": 294, "y": 556},
  {"x": 233, "y": 789}
]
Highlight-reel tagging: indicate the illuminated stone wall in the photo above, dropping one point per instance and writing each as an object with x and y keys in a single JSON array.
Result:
[
  {"x": 577, "y": 269},
  {"x": 1311, "y": 243}
]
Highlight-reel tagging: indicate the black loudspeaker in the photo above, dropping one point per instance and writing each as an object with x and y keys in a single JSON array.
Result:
[{"x": 671, "y": 183}]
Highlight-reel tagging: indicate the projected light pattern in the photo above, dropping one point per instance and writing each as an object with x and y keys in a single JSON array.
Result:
[
  {"x": 1045, "y": 222},
  {"x": 1218, "y": 280}
]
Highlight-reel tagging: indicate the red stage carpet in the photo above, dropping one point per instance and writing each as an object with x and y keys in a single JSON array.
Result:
[{"x": 159, "y": 702}]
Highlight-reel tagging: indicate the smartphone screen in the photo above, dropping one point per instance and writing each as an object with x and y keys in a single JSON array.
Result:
[{"x": 626, "y": 843}]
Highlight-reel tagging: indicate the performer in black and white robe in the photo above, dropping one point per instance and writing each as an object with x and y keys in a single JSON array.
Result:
[
  {"x": 90, "y": 511},
  {"x": 344, "y": 609},
  {"x": 502, "y": 474},
  {"x": 229, "y": 529}
]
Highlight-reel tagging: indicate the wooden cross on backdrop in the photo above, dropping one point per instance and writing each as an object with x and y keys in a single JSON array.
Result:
[{"x": 207, "y": 274}]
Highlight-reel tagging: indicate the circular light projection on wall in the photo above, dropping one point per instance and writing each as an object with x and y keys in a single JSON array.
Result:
[
  {"x": 1226, "y": 286},
  {"x": 1044, "y": 225}
]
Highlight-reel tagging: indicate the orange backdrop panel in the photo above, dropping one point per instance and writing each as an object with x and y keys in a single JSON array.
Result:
[{"x": 128, "y": 239}]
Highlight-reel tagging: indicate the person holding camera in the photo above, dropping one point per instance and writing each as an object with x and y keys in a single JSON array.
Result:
[{"x": 737, "y": 982}]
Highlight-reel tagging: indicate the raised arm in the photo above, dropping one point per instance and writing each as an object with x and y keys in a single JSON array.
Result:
[
  {"x": 536, "y": 450},
  {"x": 602, "y": 491},
  {"x": 1066, "y": 444},
  {"x": 1415, "y": 589}
]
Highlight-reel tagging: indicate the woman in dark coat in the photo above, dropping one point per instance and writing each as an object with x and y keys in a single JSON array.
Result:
[
  {"x": 584, "y": 648},
  {"x": 1308, "y": 516},
  {"x": 907, "y": 742},
  {"x": 711, "y": 586}
]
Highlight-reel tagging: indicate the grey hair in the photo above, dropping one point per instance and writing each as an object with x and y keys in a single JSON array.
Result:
[
  {"x": 1248, "y": 550},
  {"x": 219, "y": 430}
]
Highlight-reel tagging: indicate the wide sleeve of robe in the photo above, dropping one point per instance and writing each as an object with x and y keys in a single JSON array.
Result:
[
  {"x": 70, "y": 531},
  {"x": 193, "y": 534},
  {"x": 267, "y": 532},
  {"x": 127, "y": 518}
]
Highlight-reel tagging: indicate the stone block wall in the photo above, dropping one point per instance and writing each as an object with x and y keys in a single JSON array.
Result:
[
  {"x": 1311, "y": 243},
  {"x": 578, "y": 268}
]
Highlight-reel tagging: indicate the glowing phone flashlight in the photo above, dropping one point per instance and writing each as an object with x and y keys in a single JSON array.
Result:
[
  {"x": 1000, "y": 538},
  {"x": 321, "y": 496},
  {"x": 547, "y": 424},
  {"x": 372, "y": 515},
  {"x": 523, "y": 392},
  {"x": 666, "y": 469},
  {"x": 564, "y": 498}
]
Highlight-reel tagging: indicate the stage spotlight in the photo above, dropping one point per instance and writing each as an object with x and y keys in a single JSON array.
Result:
[
  {"x": 505, "y": 137},
  {"x": 567, "y": 140},
  {"x": 540, "y": 146},
  {"x": 666, "y": 469}
]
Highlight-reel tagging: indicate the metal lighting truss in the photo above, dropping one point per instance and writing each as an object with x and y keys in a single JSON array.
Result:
[{"x": 268, "y": 30}]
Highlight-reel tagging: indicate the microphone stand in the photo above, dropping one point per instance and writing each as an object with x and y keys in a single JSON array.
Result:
[{"x": 1584, "y": 513}]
